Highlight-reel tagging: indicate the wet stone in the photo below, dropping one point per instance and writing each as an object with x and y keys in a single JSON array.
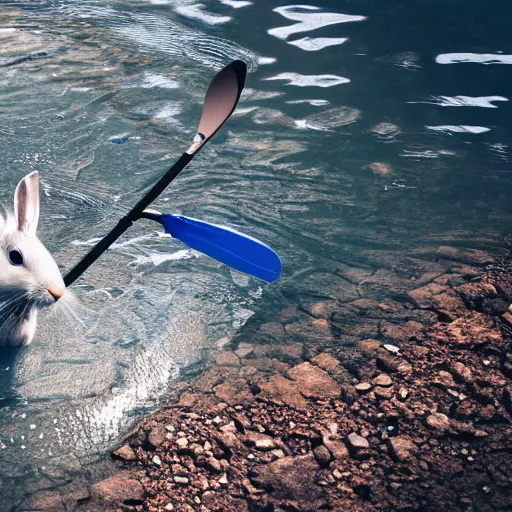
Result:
[
  {"x": 314, "y": 382},
  {"x": 227, "y": 359}
]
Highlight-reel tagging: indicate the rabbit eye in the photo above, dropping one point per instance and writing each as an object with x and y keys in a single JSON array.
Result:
[{"x": 15, "y": 257}]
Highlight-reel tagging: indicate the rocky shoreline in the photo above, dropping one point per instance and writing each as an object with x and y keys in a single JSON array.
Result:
[{"x": 350, "y": 403}]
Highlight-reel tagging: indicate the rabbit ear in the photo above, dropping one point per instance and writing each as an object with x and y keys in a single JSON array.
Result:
[{"x": 26, "y": 203}]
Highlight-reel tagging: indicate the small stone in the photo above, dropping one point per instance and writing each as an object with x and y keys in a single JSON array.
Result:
[
  {"x": 357, "y": 442},
  {"x": 322, "y": 455},
  {"x": 438, "y": 421},
  {"x": 277, "y": 454},
  {"x": 486, "y": 489},
  {"x": 337, "y": 474},
  {"x": 169, "y": 428},
  {"x": 169, "y": 507},
  {"x": 223, "y": 480},
  {"x": 382, "y": 380},
  {"x": 403, "y": 393},
  {"x": 230, "y": 427},
  {"x": 445, "y": 379},
  {"x": 338, "y": 449},
  {"x": 363, "y": 387},
  {"x": 217, "y": 420},
  {"x": 156, "y": 460},
  {"x": 244, "y": 349},
  {"x": 214, "y": 465},
  {"x": 181, "y": 480},
  {"x": 227, "y": 359},
  {"x": 261, "y": 442},
  {"x": 196, "y": 449},
  {"x": 402, "y": 448},
  {"x": 156, "y": 437},
  {"x": 182, "y": 442},
  {"x": 391, "y": 348},
  {"x": 207, "y": 446},
  {"x": 326, "y": 362},
  {"x": 462, "y": 372},
  {"x": 125, "y": 453}
]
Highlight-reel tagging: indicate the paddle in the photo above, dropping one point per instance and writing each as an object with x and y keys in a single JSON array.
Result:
[
  {"x": 221, "y": 99},
  {"x": 224, "y": 244}
]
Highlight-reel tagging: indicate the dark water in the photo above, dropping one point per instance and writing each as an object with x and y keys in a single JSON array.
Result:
[{"x": 367, "y": 130}]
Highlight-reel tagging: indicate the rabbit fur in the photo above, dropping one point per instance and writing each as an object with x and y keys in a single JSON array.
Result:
[{"x": 29, "y": 277}]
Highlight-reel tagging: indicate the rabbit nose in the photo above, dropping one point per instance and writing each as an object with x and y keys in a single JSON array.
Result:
[{"x": 56, "y": 293}]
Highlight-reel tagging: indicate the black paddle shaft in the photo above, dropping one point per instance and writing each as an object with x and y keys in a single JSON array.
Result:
[
  {"x": 221, "y": 100},
  {"x": 127, "y": 220}
]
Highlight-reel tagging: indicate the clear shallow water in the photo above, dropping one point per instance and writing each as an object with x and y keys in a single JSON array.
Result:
[{"x": 364, "y": 131}]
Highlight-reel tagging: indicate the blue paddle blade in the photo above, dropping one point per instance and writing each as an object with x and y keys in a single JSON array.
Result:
[{"x": 224, "y": 244}]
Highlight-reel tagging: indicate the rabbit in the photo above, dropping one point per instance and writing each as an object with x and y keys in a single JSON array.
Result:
[{"x": 29, "y": 277}]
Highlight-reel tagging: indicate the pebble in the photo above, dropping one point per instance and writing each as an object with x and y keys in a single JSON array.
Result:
[
  {"x": 223, "y": 480},
  {"x": 391, "y": 348},
  {"x": 182, "y": 442},
  {"x": 438, "y": 421},
  {"x": 358, "y": 442},
  {"x": 157, "y": 460},
  {"x": 363, "y": 387},
  {"x": 214, "y": 465},
  {"x": 181, "y": 480},
  {"x": 382, "y": 380},
  {"x": 169, "y": 506},
  {"x": 322, "y": 455}
]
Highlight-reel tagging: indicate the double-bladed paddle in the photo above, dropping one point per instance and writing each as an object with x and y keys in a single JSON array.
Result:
[{"x": 237, "y": 250}]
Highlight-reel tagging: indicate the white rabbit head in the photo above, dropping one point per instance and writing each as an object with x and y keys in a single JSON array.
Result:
[{"x": 29, "y": 277}]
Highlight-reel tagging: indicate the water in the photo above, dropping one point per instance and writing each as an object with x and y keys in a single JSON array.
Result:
[{"x": 366, "y": 132}]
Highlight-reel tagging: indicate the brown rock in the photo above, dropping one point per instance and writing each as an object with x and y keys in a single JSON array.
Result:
[
  {"x": 325, "y": 309},
  {"x": 363, "y": 387},
  {"x": 227, "y": 359},
  {"x": 357, "y": 442},
  {"x": 326, "y": 362},
  {"x": 214, "y": 465},
  {"x": 474, "y": 329},
  {"x": 45, "y": 500},
  {"x": 444, "y": 379},
  {"x": 338, "y": 449},
  {"x": 118, "y": 489},
  {"x": 402, "y": 448},
  {"x": 244, "y": 349},
  {"x": 313, "y": 382},
  {"x": 124, "y": 453},
  {"x": 282, "y": 391},
  {"x": 438, "y": 421},
  {"x": 292, "y": 479},
  {"x": 156, "y": 436},
  {"x": 309, "y": 329},
  {"x": 234, "y": 391},
  {"x": 439, "y": 298},
  {"x": 322, "y": 455},
  {"x": 462, "y": 372},
  {"x": 261, "y": 442},
  {"x": 382, "y": 380},
  {"x": 469, "y": 256}
]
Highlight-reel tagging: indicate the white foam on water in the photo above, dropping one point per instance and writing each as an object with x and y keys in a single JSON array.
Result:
[
  {"x": 476, "y": 58},
  {"x": 458, "y": 128},
  {"x": 151, "y": 80},
  {"x": 236, "y": 4},
  {"x": 310, "y": 80},
  {"x": 197, "y": 12},
  {"x": 463, "y": 101},
  {"x": 263, "y": 61},
  {"x": 157, "y": 258},
  {"x": 313, "y": 103},
  {"x": 317, "y": 43},
  {"x": 308, "y": 20}
]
